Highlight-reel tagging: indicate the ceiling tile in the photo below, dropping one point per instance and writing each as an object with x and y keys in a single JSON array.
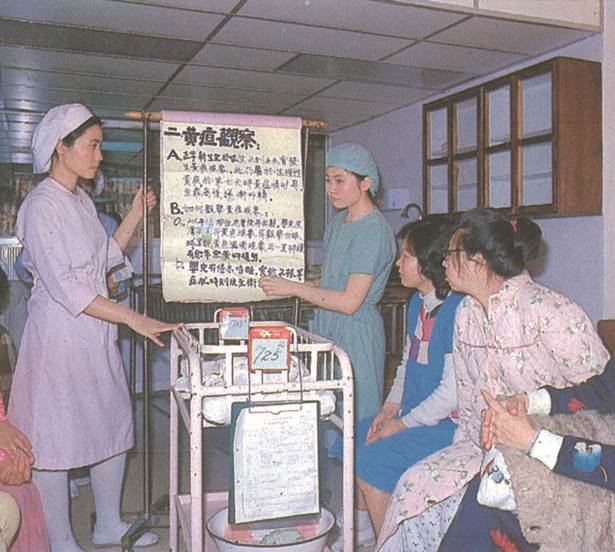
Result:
[
  {"x": 442, "y": 56},
  {"x": 32, "y": 58},
  {"x": 117, "y": 16},
  {"x": 339, "y": 105},
  {"x": 508, "y": 36},
  {"x": 43, "y": 99},
  {"x": 240, "y": 57},
  {"x": 78, "y": 81},
  {"x": 184, "y": 104},
  {"x": 355, "y": 15},
  {"x": 377, "y": 92},
  {"x": 41, "y": 107},
  {"x": 334, "y": 120},
  {"x": 44, "y": 35},
  {"x": 299, "y": 38},
  {"x": 218, "y": 6},
  {"x": 359, "y": 70},
  {"x": 209, "y": 93},
  {"x": 251, "y": 80}
]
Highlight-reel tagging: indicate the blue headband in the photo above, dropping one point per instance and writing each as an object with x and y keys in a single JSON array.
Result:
[{"x": 355, "y": 158}]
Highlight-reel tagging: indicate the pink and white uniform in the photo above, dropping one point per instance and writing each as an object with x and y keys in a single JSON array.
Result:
[{"x": 69, "y": 394}]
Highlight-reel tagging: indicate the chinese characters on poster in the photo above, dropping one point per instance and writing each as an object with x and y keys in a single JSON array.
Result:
[{"x": 232, "y": 205}]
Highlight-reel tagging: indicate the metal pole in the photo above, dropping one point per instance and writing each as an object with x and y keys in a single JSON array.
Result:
[
  {"x": 147, "y": 500},
  {"x": 141, "y": 525}
]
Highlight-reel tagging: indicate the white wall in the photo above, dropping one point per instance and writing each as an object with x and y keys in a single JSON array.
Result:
[{"x": 574, "y": 263}]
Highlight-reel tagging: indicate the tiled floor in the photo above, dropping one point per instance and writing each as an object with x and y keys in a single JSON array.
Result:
[{"x": 216, "y": 479}]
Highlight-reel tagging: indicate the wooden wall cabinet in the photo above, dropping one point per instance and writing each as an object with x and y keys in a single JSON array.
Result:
[{"x": 528, "y": 142}]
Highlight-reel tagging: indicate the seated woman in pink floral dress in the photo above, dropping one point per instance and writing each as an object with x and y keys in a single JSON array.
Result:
[
  {"x": 511, "y": 335},
  {"x": 15, "y": 479},
  {"x": 28, "y": 521}
]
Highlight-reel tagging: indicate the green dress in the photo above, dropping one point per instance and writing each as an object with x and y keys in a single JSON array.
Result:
[{"x": 364, "y": 246}]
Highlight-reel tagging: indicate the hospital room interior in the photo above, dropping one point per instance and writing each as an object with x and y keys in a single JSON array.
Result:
[{"x": 353, "y": 289}]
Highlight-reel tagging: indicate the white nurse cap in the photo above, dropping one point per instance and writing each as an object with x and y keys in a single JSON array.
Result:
[{"x": 57, "y": 123}]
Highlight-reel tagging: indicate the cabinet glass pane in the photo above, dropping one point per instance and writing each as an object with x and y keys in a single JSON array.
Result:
[
  {"x": 466, "y": 122},
  {"x": 438, "y": 180},
  {"x": 498, "y": 106},
  {"x": 437, "y": 133},
  {"x": 499, "y": 179},
  {"x": 537, "y": 179},
  {"x": 466, "y": 181},
  {"x": 536, "y": 105}
]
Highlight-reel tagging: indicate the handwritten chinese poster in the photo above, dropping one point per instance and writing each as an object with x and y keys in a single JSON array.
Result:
[{"x": 231, "y": 206}]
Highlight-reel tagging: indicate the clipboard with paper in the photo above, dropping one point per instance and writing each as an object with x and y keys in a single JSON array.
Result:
[{"x": 274, "y": 468}]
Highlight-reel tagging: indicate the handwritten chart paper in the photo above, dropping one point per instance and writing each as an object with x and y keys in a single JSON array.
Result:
[
  {"x": 231, "y": 206},
  {"x": 275, "y": 462}
]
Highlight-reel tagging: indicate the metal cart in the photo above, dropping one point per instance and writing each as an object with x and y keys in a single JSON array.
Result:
[{"x": 329, "y": 369}]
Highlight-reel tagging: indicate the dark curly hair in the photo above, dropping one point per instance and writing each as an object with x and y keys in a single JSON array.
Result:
[
  {"x": 427, "y": 239},
  {"x": 507, "y": 244}
]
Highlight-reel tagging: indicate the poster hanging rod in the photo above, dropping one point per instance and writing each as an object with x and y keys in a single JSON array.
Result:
[{"x": 157, "y": 116}]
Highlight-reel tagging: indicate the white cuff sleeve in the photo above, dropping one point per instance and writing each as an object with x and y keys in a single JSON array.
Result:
[
  {"x": 397, "y": 390},
  {"x": 539, "y": 402},
  {"x": 546, "y": 448},
  {"x": 409, "y": 421}
]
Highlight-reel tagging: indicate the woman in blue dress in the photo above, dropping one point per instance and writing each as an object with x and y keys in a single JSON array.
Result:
[
  {"x": 418, "y": 416},
  {"x": 359, "y": 250}
]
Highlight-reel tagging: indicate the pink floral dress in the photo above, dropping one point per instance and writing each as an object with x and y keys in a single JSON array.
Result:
[
  {"x": 530, "y": 336},
  {"x": 32, "y": 534}
]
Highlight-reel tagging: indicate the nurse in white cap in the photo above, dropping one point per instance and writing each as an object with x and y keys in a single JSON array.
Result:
[{"x": 70, "y": 394}]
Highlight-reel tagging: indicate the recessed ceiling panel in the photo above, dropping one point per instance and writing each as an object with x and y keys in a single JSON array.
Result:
[
  {"x": 394, "y": 95},
  {"x": 41, "y": 107},
  {"x": 442, "y": 56},
  {"x": 240, "y": 57},
  {"x": 508, "y": 36},
  {"x": 55, "y": 95},
  {"x": 334, "y": 120},
  {"x": 31, "y": 58},
  {"x": 338, "y": 105},
  {"x": 116, "y": 16},
  {"x": 355, "y": 15},
  {"x": 218, "y": 6},
  {"x": 75, "y": 81},
  {"x": 43, "y": 35},
  {"x": 251, "y": 80},
  {"x": 371, "y": 71},
  {"x": 207, "y": 93},
  {"x": 216, "y": 106},
  {"x": 299, "y": 38}
]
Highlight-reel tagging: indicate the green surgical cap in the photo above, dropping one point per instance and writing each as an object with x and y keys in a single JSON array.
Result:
[{"x": 355, "y": 158}]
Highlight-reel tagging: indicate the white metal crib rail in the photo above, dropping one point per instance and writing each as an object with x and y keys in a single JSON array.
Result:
[{"x": 329, "y": 369}]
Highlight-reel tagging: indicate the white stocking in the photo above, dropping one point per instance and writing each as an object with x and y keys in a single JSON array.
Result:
[
  {"x": 107, "y": 480},
  {"x": 53, "y": 488}
]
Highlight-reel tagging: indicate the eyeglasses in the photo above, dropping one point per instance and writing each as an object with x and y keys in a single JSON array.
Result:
[{"x": 448, "y": 252}]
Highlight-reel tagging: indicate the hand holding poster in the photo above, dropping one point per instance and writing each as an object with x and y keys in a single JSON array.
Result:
[{"x": 231, "y": 206}]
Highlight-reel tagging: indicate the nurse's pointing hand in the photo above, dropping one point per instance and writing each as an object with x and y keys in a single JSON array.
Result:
[{"x": 150, "y": 327}]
